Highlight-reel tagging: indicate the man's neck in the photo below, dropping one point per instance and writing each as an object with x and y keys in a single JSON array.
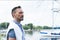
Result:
[{"x": 17, "y": 20}]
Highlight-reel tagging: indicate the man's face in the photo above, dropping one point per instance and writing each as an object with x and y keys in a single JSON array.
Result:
[{"x": 18, "y": 14}]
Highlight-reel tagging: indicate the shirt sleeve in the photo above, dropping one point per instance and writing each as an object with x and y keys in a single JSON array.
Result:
[{"x": 11, "y": 34}]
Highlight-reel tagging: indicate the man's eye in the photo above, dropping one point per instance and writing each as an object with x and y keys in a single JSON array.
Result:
[{"x": 20, "y": 12}]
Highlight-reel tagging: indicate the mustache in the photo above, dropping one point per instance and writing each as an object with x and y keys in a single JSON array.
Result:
[{"x": 22, "y": 16}]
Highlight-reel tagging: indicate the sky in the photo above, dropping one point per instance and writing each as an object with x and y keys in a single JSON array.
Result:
[{"x": 36, "y": 12}]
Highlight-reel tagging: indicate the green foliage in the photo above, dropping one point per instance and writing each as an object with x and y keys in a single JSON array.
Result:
[
  {"x": 39, "y": 27},
  {"x": 25, "y": 27},
  {"x": 46, "y": 27},
  {"x": 4, "y": 25},
  {"x": 28, "y": 26}
]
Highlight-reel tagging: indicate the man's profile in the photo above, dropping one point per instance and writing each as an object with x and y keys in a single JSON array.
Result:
[{"x": 15, "y": 30}]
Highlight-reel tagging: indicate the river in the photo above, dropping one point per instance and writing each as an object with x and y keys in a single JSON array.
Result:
[{"x": 33, "y": 35}]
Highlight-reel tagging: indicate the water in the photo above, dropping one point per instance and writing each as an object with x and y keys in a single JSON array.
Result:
[
  {"x": 37, "y": 36},
  {"x": 32, "y": 35}
]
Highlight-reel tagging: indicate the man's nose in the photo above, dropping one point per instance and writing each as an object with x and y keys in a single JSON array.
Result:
[{"x": 22, "y": 14}]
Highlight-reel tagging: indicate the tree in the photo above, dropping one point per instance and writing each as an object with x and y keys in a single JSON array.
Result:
[
  {"x": 4, "y": 25},
  {"x": 25, "y": 27},
  {"x": 39, "y": 27},
  {"x": 30, "y": 25},
  {"x": 46, "y": 27}
]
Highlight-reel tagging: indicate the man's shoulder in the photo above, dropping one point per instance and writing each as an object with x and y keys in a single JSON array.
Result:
[{"x": 11, "y": 33}]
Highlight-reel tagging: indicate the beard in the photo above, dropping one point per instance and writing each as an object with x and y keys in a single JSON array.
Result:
[{"x": 21, "y": 18}]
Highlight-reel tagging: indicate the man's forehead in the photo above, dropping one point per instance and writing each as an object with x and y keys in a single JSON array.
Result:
[{"x": 19, "y": 10}]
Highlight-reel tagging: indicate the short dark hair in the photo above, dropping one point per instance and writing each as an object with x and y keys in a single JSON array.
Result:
[{"x": 15, "y": 8}]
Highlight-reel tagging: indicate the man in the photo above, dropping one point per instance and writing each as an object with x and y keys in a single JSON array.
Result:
[{"x": 15, "y": 30}]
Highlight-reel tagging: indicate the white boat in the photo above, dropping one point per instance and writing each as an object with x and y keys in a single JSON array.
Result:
[{"x": 52, "y": 33}]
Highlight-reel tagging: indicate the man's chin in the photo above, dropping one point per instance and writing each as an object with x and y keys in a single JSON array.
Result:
[{"x": 21, "y": 19}]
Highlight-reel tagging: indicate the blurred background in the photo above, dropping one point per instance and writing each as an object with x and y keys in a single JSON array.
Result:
[{"x": 41, "y": 17}]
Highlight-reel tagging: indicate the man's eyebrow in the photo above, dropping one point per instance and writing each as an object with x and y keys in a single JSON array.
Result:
[{"x": 21, "y": 12}]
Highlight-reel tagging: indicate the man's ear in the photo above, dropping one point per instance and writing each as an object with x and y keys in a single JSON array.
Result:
[{"x": 13, "y": 14}]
